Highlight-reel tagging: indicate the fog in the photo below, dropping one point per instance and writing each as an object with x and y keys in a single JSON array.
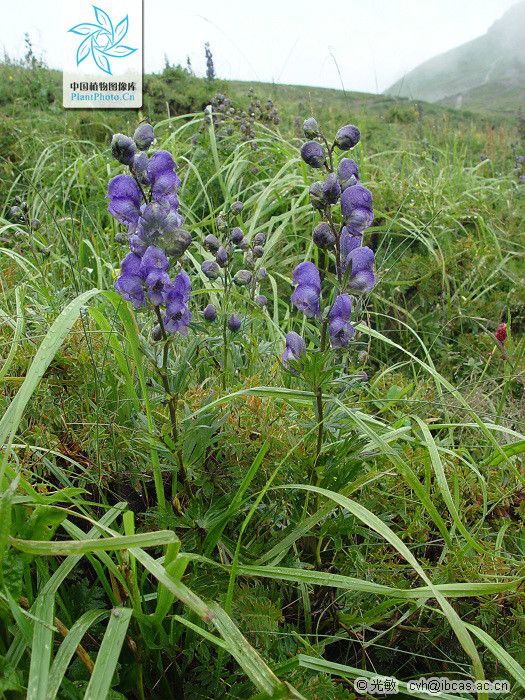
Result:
[{"x": 363, "y": 45}]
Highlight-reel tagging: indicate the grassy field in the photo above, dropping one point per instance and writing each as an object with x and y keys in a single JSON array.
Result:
[{"x": 255, "y": 547}]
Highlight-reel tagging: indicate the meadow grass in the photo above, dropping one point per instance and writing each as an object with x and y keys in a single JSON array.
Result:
[{"x": 260, "y": 577}]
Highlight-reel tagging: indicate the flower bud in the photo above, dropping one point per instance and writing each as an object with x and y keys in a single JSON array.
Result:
[
  {"x": 156, "y": 333},
  {"x": 123, "y": 149},
  {"x": 144, "y": 136},
  {"x": 16, "y": 213},
  {"x": 262, "y": 273},
  {"x": 140, "y": 168},
  {"x": 242, "y": 278},
  {"x": 332, "y": 189},
  {"x": 212, "y": 243},
  {"x": 210, "y": 313},
  {"x": 121, "y": 237},
  {"x": 362, "y": 357},
  {"x": 347, "y": 173},
  {"x": 234, "y": 323},
  {"x": 221, "y": 222},
  {"x": 236, "y": 207},
  {"x": 236, "y": 235},
  {"x": 221, "y": 256},
  {"x": 259, "y": 239},
  {"x": 311, "y": 128},
  {"x": 210, "y": 269},
  {"x": 323, "y": 236},
  {"x": 35, "y": 224},
  {"x": 501, "y": 333},
  {"x": 258, "y": 251},
  {"x": 313, "y": 154},
  {"x": 177, "y": 242},
  {"x": 317, "y": 199},
  {"x": 347, "y": 137},
  {"x": 261, "y": 300}
]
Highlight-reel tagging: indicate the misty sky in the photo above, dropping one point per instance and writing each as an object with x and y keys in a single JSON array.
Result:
[{"x": 373, "y": 42}]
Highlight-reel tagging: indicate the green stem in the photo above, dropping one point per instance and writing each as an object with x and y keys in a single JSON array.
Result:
[
  {"x": 172, "y": 401},
  {"x": 225, "y": 330}
]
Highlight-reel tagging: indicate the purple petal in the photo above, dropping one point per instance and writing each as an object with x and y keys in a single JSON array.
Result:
[
  {"x": 124, "y": 187},
  {"x": 153, "y": 259},
  {"x": 307, "y": 273},
  {"x": 306, "y": 299},
  {"x": 355, "y": 197},
  {"x": 160, "y": 163},
  {"x": 341, "y": 308},
  {"x": 124, "y": 210},
  {"x": 130, "y": 288},
  {"x": 130, "y": 265}
]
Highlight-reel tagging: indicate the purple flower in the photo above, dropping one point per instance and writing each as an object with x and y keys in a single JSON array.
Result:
[
  {"x": 306, "y": 296},
  {"x": 261, "y": 300},
  {"x": 165, "y": 188},
  {"x": 347, "y": 173},
  {"x": 156, "y": 282},
  {"x": 144, "y": 136},
  {"x": 347, "y": 137},
  {"x": 295, "y": 347},
  {"x": 130, "y": 288},
  {"x": 159, "y": 164},
  {"x": 124, "y": 199},
  {"x": 362, "y": 277},
  {"x": 137, "y": 244},
  {"x": 356, "y": 207},
  {"x": 313, "y": 154},
  {"x": 176, "y": 295},
  {"x": 307, "y": 273},
  {"x": 153, "y": 220},
  {"x": 340, "y": 328},
  {"x": 347, "y": 243},
  {"x": 130, "y": 265},
  {"x": 153, "y": 259},
  {"x": 234, "y": 323}
]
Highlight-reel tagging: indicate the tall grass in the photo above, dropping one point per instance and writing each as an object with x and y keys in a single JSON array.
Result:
[{"x": 407, "y": 559}]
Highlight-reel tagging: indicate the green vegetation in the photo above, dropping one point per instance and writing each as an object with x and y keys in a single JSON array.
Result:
[{"x": 264, "y": 576}]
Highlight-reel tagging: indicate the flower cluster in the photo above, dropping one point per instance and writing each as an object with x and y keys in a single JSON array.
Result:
[
  {"x": 146, "y": 202},
  {"x": 19, "y": 212},
  {"x": 230, "y": 240},
  {"x": 226, "y": 117},
  {"x": 340, "y": 233}
]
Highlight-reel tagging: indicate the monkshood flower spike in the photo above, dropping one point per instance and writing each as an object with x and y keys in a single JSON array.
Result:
[
  {"x": 146, "y": 202},
  {"x": 345, "y": 206}
]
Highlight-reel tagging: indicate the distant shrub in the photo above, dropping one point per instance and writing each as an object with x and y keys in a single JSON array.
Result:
[
  {"x": 177, "y": 90},
  {"x": 402, "y": 114}
]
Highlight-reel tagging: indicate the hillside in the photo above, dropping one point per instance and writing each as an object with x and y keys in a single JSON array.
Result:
[{"x": 487, "y": 73}]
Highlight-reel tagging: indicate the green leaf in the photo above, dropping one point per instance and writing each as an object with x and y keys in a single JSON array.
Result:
[{"x": 108, "y": 654}]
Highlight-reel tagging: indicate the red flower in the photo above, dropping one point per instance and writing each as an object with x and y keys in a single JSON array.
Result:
[{"x": 501, "y": 333}]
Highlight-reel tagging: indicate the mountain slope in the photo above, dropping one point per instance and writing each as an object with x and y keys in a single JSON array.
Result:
[{"x": 475, "y": 74}]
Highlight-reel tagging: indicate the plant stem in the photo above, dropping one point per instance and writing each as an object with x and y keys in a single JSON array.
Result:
[
  {"x": 172, "y": 399},
  {"x": 225, "y": 330}
]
